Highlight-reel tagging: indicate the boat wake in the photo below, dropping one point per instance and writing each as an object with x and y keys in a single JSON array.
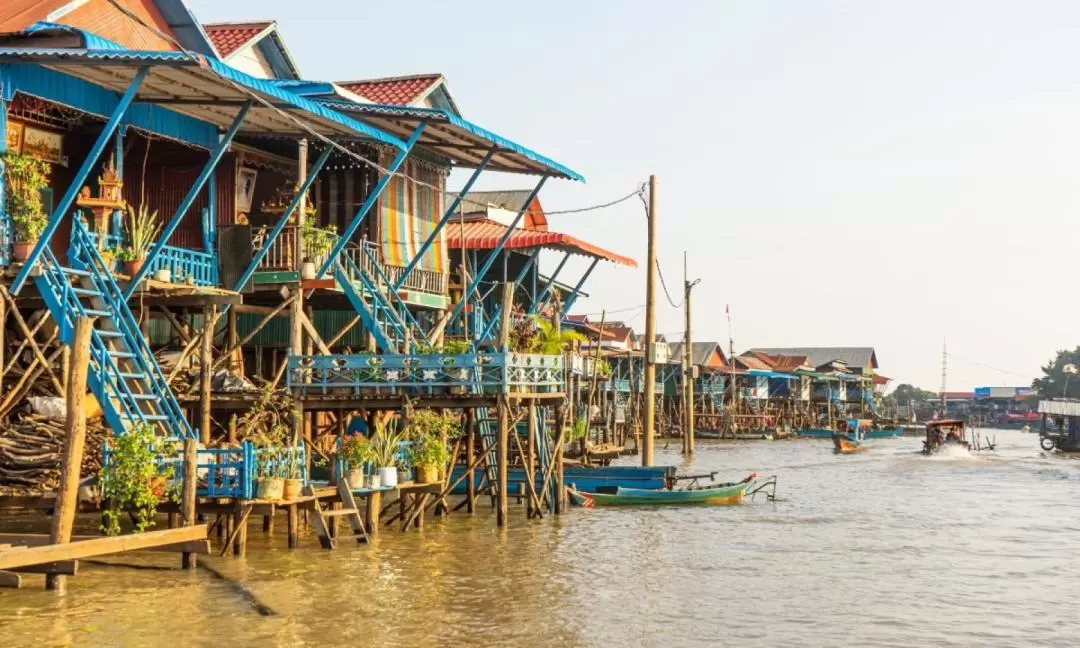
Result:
[{"x": 951, "y": 452}]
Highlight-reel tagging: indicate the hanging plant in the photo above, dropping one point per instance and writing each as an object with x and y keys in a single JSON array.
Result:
[{"x": 135, "y": 479}]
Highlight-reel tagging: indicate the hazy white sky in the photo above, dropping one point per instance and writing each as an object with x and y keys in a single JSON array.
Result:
[{"x": 841, "y": 173}]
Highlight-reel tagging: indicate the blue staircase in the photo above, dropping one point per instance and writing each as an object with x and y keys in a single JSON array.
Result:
[
  {"x": 124, "y": 376},
  {"x": 379, "y": 316},
  {"x": 755, "y": 407},
  {"x": 841, "y": 411}
]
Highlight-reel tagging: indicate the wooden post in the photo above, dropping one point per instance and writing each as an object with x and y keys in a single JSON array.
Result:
[
  {"x": 187, "y": 500},
  {"x": 530, "y": 458},
  {"x": 206, "y": 359},
  {"x": 294, "y": 527},
  {"x": 470, "y": 452},
  {"x": 560, "y": 491},
  {"x": 688, "y": 364},
  {"x": 503, "y": 408},
  {"x": 240, "y": 524},
  {"x": 650, "y": 334},
  {"x": 371, "y": 514},
  {"x": 67, "y": 500},
  {"x": 231, "y": 339},
  {"x": 3, "y": 329}
]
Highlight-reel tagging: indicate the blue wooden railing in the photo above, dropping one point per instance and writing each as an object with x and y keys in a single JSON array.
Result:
[
  {"x": 425, "y": 374},
  {"x": 183, "y": 263},
  {"x": 227, "y": 472}
]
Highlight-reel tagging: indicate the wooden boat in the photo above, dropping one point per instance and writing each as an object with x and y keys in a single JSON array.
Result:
[
  {"x": 720, "y": 494},
  {"x": 843, "y": 444},
  {"x": 589, "y": 478},
  {"x": 884, "y": 433},
  {"x": 951, "y": 434}
]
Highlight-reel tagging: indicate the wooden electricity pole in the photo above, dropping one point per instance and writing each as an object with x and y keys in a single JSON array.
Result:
[
  {"x": 688, "y": 366},
  {"x": 296, "y": 310},
  {"x": 650, "y": 334}
]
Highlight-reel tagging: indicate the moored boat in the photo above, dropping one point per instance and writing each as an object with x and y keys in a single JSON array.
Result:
[
  {"x": 884, "y": 433},
  {"x": 717, "y": 495},
  {"x": 586, "y": 477}
]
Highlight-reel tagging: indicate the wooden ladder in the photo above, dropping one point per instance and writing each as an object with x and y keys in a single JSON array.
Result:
[{"x": 348, "y": 509}]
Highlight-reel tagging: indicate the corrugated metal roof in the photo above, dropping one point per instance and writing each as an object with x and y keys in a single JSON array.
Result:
[
  {"x": 193, "y": 85},
  {"x": 854, "y": 357},
  {"x": 1060, "y": 407},
  {"x": 702, "y": 352},
  {"x": 454, "y": 138},
  {"x": 486, "y": 234}
]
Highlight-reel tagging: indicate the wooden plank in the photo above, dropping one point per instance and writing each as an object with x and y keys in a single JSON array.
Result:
[
  {"x": 321, "y": 530},
  {"x": 349, "y": 502},
  {"x": 187, "y": 498},
  {"x": 99, "y": 546},
  {"x": 24, "y": 540},
  {"x": 62, "y": 567}
]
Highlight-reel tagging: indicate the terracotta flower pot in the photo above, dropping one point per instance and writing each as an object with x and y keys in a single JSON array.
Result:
[
  {"x": 21, "y": 249},
  {"x": 158, "y": 485},
  {"x": 132, "y": 268},
  {"x": 292, "y": 488}
]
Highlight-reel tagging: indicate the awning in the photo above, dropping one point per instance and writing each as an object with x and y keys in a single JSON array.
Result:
[
  {"x": 1060, "y": 407},
  {"x": 452, "y": 137},
  {"x": 770, "y": 374},
  {"x": 486, "y": 234},
  {"x": 197, "y": 86}
]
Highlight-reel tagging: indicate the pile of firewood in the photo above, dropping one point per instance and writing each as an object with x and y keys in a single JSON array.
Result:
[{"x": 30, "y": 452}]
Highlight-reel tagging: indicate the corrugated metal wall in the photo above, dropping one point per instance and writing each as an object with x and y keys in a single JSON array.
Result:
[{"x": 276, "y": 333}]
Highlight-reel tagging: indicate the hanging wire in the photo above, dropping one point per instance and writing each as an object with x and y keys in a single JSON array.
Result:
[
  {"x": 659, "y": 271},
  {"x": 986, "y": 366},
  {"x": 335, "y": 145}
]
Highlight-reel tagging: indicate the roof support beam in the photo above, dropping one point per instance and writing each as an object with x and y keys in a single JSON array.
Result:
[
  {"x": 372, "y": 198},
  {"x": 479, "y": 275},
  {"x": 285, "y": 216},
  {"x": 192, "y": 194},
  {"x": 497, "y": 315},
  {"x": 538, "y": 299},
  {"x": 572, "y": 297},
  {"x": 77, "y": 181},
  {"x": 443, "y": 221}
]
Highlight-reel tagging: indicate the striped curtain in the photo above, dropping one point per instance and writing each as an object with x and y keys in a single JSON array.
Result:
[{"x": 408, "y": 215}]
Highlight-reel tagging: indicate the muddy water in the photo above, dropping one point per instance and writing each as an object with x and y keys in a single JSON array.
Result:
[{"x": 886, "y": 548}]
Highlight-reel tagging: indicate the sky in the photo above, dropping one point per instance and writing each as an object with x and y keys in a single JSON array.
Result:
[{"x": 889, "y": 174}]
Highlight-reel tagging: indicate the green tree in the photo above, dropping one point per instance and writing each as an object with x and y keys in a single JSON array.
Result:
[
  {"x": 906, "y": 394},
  {"x": 1056, "y": 380}
]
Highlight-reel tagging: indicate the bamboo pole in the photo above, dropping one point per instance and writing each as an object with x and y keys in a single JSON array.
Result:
[
  {"x": 251, "y": 334},
  {"x": 187, "y": 501},
  {"x": 530, "y": 459},
  {"x": 470, "y": 452},
  {"x": 205, "y": 372},
  {"x": 67, "y": 501},
  {"x": 25, "y": 330}
]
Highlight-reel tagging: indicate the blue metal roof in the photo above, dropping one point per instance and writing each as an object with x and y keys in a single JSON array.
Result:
[
  {"x": 208, "y": 71},
  {"x": 762, "y": 373},
  {"x": 443, "y": 125}
]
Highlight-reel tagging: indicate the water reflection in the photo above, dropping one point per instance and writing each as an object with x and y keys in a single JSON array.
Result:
[{"x": 886, "y": 548}]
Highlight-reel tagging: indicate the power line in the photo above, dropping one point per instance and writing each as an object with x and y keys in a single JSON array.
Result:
[
  {"x": 659, "y": 272},
  {"x": 986, "y": 366}
]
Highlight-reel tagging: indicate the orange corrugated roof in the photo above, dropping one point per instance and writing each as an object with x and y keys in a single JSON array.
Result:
[
  {"x": 394, "y": 91},
  {"x": 485, "y": 234},
  {"x": 97, "y": 16},
  {"x": 229, "y": 37}
]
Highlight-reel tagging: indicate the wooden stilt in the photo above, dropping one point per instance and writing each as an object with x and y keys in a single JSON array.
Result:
[
  {"x": 501, "y": 461},
  {"x": 206, "y": 359},
  {"x": 268, "y": 523},
  {"x": 67, "y": 500},
  {"x": 371, "y": 517},
  {"x": 557, "y": 460},
  {"x": 294, "y": 527},
  {"x": 240, "y": 524},
  {"x": 187, "y": 500},
  {"x": 530, "y": 459},
  {"x": 470, "y": 452}
]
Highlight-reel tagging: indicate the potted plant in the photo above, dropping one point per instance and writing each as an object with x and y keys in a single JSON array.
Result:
[
  {"x": 143, "y": 229},
  {"x": 292, "y": 460},
  {"x": 357, "y": 452},
  {"x": 267, "y": 425},
  {"x": 386, "y": 445},
  {"x": 133, "y": 478},
  {"x": 317, "y": 242},
  {"x": 429, "y": 457},
  {"x": 163, "y": 275},
  {"x": 24, "y": 179}
]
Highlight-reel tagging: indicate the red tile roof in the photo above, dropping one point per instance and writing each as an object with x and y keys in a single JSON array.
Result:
[
  {"x": 229, "y": 37},
  {"x": 97, "y": 16},
  {"x": 394, "y": 91},
  {"x": 485, "y": 234}
]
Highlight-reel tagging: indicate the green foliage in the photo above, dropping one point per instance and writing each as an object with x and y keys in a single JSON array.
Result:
[
  {"x": 906, "y": 394},
  {"x": 428, "y": 432},
  {"x": 143, "y": 229},
  {"x": 1055, "y": 382},
  {"x": 268, "y": 425},
  {"x": 577, "y": 431},
  {"x": 128, "y": 479},
  {"x": 24, "y": 179},
  {"x": 535, "y": 334},
  {"x": 457, "y": 347},
  {"x": 357, "y": 451},
  {"x": 386, "y": 442},
  {"x": 317, "y": 241},
  {"x": 126, "y": 254},
  {"x": 603, "y": 368},
  {"x": 427, "y": 450}
]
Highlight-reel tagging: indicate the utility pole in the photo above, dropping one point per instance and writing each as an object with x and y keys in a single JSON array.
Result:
[
  {"x": 688, "y": 364},
  {"x": 944, "y": 361},
  {"x": 650, "y": 334}
]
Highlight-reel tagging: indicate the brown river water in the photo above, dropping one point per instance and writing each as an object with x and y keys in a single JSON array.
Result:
[{"x": 886, "y": 548}]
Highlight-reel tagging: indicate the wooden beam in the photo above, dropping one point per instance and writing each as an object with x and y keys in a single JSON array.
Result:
[
  {"x": 53, "y": 569},
  {"x": 67, "y": 501},
  {"x": 10, "y": 580},
  {"x": 312, "y": 333},
  {"x": 206, "y": 360},
  {"x": 181, "y": 330},
  {"x": 21, "y": 323},
  {"x": 269, "y": 315},
  {"x": 187, "y": 500},
  {"x": 99, "y": 546}
]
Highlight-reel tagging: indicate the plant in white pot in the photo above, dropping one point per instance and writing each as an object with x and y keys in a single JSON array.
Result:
[
  {"x": 386, "y": 443},
  {"x": 317, "y": 243},
  {"x": 357, "y": 452}
]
